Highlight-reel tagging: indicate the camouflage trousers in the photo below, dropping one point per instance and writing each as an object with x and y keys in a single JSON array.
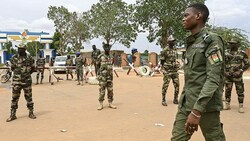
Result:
[
  {"x": 239, "y": 85},
  {"x": 210, "y": 125},
  {"x": 16, "y": 92},
  {"x": 79, "y": 74},
  {"x": 69, "y": 71},
  {"x": 166, "y": 80},
  {"x": 40, "y": 71},
  {"x": 102, "y": 89}
]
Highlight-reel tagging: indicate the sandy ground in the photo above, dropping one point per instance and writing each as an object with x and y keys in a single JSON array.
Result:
[{"x": 67, "y": 107}]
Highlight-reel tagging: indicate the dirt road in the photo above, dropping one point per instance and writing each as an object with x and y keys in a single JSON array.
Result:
[{"x": 67, "y": 112}]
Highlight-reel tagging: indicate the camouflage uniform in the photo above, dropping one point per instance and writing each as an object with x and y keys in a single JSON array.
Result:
[
  {"x": 79, "y": 68},
  {"x": 105, "y": 77},
  {"x": 236, "y": 63},
  {"x": 94, "y": 55},
  {"x": 22, "y": 67},
  {"x": 40, "y": 63},
  {"x": 69, "y": 62},
  {"x": 170, "y": 68}
]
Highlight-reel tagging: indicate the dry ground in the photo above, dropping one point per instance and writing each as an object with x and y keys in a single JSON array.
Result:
[{"x": 71, "y": 108}]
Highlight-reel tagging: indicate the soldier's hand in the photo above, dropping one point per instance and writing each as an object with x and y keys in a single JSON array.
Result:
[
  {"x": 192, "y": 123},
  {"x": 238, "y": 73},
  {"x": 228, "y": 74}
]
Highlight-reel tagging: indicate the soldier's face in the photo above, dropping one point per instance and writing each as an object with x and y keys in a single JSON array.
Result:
[
  {"x": 189, "y": 20},
  {"x": 21, "y": 51},
  {"x": 233, "y": 46},
  {"x": 171, "y": 43}
]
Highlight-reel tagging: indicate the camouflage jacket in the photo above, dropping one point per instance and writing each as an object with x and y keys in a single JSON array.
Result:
[
  {"x": 106, "y": 68},
  {"x": 169, "y": 56},
  {"x": 69, "y": 62},
  {"x": 40, "y": 62},
  {"x": 95, "y": 54},
  {"x": 236, "y": 60},
  {"x": 22, "y": 68},
  {"x": 79, "y": 62}
]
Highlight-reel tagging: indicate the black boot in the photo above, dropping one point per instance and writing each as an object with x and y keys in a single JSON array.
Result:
[
  {"x": 12, "y": 115},
  {"x": 164, "y": 103},
  {"x": 31, "y": 115},
  {"x": 175, "y": 101}
]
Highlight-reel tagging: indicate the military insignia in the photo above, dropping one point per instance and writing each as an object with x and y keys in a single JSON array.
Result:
[{"x": 215, "y": 58}]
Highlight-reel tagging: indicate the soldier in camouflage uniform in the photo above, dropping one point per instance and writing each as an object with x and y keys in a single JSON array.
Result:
[
  {"x": 94, "y": 55},
  {"x": 170, "y": 70},
  {"x": 22, "y": 66},
  {"x": 105, "y": 76},
  {"x": 236, "y": 63},
  {"x": 40, "y": 63},
  {"x": 79, "y": 68},
  {"x": 69, "y": 62}
]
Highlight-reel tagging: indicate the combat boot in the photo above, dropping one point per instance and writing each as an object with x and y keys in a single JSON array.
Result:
[
  {"x": 241, "y": 109},
  {"x": 175, "y": 101},
  {"x": 227, "y": 106},
  {"x": 12, "y": 115},
  {"x": 164, "y": 103},
  {"x": 101, "y": 106},
  {"x": 112, "y": 106},
  {"x": 31, "y": 115}
]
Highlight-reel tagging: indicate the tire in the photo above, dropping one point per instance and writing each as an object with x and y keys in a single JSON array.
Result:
[
  {"x": 93, "y": 81},
  {"x": 5, "y": 78},
  {"x": 144, "y": 70}
]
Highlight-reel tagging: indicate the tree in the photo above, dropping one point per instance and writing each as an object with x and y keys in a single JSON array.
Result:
[
  {"x": 8, "y": 47},
  {"x": 162, "y": 18},
  {"x": 79, "y": 31},
  {"x": 34, "y": 47},
  {"x": 227, "y": 34},
  {"x": 61, "y": 19},
  {"x": 112, "y": 20}
]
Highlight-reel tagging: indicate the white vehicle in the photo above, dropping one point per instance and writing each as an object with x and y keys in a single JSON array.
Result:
[{"x": 60, "y": 61}]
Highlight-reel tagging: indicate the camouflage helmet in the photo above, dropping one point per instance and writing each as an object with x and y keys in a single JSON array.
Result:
[
  {"x": 233, "y": 41},
  {"x": 171, "y": 38},
  {"x": 22, "y": 45}
]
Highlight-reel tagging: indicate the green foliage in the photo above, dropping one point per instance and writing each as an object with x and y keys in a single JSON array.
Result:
[
  {"x": 113, "y": 21},
  {"x": 61, "y": 19},
  {"x": 162, "y": 18},
  {"x": 34, "y": 47},
  {"x": 9, "y": 48},
  {"x": 227, "y": 34}
]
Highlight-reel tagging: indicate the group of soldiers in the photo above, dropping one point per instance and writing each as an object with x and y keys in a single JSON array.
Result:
[
  {"x": 23, "y": 66},
  {"x": 236, "y": 62}
]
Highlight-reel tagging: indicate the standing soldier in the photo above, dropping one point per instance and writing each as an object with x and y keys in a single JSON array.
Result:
[
  {"x": 95, "y": 53},
  {"x": 79, "y": 68},
  {"x": 119, "y": 60},
  {"x": 40, "y": 63},
  {"x": 22, "y": 66},
  {"x": 69, "y": 63},
  {"x": 105, "y": 76},
  {"x": 170, "y": 70},
  {"x": 236, "y": 63}
]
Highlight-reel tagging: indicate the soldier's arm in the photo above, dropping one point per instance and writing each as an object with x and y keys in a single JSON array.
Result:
[
  {"x": 214, "y": 70},
  {"x": 246, "y": 63}
]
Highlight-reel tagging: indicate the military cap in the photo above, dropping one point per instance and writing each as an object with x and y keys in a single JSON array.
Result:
[
  {"x": 22, "y": 45},
  {"x": 171, "y": 38},
  {"x": 233, "y": 41}
]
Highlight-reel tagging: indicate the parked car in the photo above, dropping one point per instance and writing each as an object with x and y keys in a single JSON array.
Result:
[{"x": 60, "y": 61}]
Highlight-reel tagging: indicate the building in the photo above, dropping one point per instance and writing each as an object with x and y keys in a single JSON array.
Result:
[{"x": 25, "y": 37}]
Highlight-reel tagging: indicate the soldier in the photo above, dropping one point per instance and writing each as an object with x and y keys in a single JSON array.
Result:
[
  {"x": 119, "y": 60},
  {"x": 69, "y": 62},
  {"x": 40, "y": 63},
  {"x": 22, "y": 66},
  {"x": 170, "y": 70},
  {"x": 236, "y": 63},
  {"x": 95, "y": 53},
  {"x": 201, "y": 100},
  {"x": 105, "y": 76},
  {"x": 79, "y": 68}
]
